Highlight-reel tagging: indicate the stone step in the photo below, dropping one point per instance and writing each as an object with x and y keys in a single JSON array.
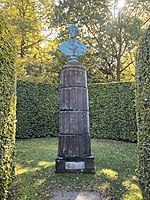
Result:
[{"x": 76, "y": 195}]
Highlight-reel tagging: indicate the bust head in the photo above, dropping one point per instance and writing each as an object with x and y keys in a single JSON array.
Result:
[
  {"x": 73, "y": 31},
  {"x": 73, "y": 48}
]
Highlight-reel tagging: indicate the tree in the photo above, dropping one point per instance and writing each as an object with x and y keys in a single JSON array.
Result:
[
  {"x": 110, "y": 32},
  {"x": 28, "y": 20}
]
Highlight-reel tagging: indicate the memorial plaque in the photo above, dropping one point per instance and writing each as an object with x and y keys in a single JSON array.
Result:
[{"x": 74, "y": 165}]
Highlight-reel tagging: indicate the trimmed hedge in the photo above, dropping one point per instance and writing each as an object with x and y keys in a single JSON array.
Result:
[
  {"x": 112, "y": 110},
  {"x": 7, "y": 110},
  {"x": 37, "y": 110},
  {"x": 143, "y": 113}
]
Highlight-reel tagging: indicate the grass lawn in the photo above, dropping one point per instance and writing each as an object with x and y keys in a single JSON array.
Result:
[{"x": 115, "y": 175}]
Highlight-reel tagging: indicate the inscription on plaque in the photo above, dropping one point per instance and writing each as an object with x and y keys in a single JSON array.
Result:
[{"x": 74, "y": 165}]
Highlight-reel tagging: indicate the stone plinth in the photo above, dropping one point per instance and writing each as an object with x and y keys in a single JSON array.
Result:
[{"x": 74, "y": 148}]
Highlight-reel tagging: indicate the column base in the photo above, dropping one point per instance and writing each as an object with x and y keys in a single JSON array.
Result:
[{"x": 75, "y": 165}]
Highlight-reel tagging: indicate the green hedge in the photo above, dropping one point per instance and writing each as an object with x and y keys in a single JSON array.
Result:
[
  {"x": 37, "y": 110},
  {"x": 143, "y": 113},
  {"x": 112, "y": 110},
  {"x": 7, "y": 110}
]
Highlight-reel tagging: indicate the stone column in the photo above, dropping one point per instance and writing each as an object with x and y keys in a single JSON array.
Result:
[{"x": 74, "y": 148}]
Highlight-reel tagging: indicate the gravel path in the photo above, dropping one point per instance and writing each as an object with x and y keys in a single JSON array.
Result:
[{"x": 74, "y": 195}]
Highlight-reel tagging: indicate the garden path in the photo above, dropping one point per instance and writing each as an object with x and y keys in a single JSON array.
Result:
[{"x": 76, "y": 195}]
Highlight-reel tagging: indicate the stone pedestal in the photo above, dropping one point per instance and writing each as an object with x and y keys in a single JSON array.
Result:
[{"x": 74, "y": 148}]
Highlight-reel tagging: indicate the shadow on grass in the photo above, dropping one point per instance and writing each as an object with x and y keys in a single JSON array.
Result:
[{"x": 115, "y": 171}]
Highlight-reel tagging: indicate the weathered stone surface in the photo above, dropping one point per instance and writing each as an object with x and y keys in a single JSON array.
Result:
[
  {"x": 75, "y": 122},
  {"x": 74, "y": 138},
  {"x": 73, "y": 76},
  {"x": 74, "y": 98},
  {"x": 77, "y": 195},
  {"x": 74, "y": 145},
  {"x": 75, "y": 165},
  {"x": 88, "y": 162}
]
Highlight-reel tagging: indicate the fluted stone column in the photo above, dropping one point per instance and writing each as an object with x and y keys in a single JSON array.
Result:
[{"x": 74, "y": 148}]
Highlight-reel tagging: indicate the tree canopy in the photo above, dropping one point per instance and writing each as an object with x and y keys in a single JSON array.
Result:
[
  {"x": 109, "y": 29},
  {"x": 28, "y": 20}
]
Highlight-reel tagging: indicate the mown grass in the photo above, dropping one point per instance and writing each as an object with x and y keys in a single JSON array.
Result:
[{"x": 115, "y": 175}]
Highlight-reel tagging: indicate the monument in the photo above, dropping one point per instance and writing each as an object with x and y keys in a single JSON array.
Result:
[{"x": 74, "y": 148}]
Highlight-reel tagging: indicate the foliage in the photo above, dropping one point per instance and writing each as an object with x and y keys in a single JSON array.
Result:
[
  {"x": 111, "y": 34},
  {"x": 37, "y": 110},
  {"x": 34, "y": 43},
  {"x": 112, "y": 112},
  {"x": 143, "y": 113},
  {"x": 115, "y": 170},
  {"x": 7, "y": 109}
]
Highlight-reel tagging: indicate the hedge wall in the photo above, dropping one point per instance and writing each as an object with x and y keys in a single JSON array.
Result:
[
  {"x": 112, "y": 110},
  {"x": 7, "y": 110},
  {"x": 143, "y": 113},
  {"x": 37, "y": 110}
]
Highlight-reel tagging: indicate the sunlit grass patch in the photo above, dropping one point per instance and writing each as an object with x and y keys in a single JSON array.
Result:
[
  {"x": 46, "y": 164},
  {"x": 115, "y": 170},
  {"x": 104, "y": 186},
  {"x": 40, "y": 181},
  {"x": 21, "y": 170},
  {"x": 110, "y": 174},
  {"x": 133, "y": 190}
]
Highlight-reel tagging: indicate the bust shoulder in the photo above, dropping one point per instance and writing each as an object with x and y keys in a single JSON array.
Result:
[
  {"x": 77, "y": 48},
  {"x": 65, "y": 48}
]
